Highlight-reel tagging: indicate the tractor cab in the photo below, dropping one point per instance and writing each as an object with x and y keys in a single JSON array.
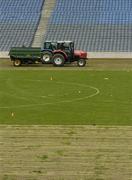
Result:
[
  {"x": 65, "y": 46},
  {"x": 50, "y": 45}
]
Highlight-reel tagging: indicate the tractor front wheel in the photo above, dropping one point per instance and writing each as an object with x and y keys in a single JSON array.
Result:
[
  {"x": 17, "y": 62},
  {"x": 58, "y": 60},
  {"x": 81, "y": 62}
]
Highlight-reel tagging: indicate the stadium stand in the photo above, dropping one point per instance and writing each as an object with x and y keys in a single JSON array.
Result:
[
  {"x": 18, "y": 22},
  {"x": 94, "y": 25}
]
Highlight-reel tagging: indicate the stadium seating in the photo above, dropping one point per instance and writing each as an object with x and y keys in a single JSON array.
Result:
[
  {"x": 18, "y": 22},
  {"x": 94, "y": 25}
]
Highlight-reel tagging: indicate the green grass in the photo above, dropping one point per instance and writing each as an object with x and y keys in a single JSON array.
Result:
[{"x": 69, "y": 97}]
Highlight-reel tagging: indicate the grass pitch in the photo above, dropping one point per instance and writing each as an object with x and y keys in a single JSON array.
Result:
[
  {"x": 39, "y": 98},
  {"x": 65, "y": 97}
]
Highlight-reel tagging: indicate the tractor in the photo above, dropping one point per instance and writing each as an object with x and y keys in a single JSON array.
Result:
[{"x": 56, "y": 53}]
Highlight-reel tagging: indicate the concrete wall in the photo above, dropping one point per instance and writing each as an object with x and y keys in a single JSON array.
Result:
[{"x": 93, "y": 55}]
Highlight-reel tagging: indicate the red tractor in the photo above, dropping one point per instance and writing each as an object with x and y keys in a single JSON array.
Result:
[{"x": 62, "y": 52}]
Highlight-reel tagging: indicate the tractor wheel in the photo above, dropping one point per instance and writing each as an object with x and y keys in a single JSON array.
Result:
[
  {"x": 58, "y": 60},
  {"x": 46, "y": 58},
  {"x": 81, "y": 62},
  {"x": 17, "y": 62}
]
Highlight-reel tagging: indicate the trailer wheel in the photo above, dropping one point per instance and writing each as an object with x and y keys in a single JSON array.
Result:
[
  {"x": 17, "y": 62},
  {"x": 58, "y": 60},
  {"x": 81, "y": 62},
  {"x": 46, "y": 58}
]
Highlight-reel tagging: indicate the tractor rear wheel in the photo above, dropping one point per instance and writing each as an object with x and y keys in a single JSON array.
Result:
[
  {"x": 81, "y": 62},
  {"x": 17, "y": 62},
  {"x": 46, "y": 58},
  {"x": 58, "y": 60}
]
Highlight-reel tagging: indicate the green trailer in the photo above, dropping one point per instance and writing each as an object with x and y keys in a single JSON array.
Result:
[{"x": 25, "y": 55}]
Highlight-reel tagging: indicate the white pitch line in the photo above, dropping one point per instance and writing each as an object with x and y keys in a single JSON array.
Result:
[
  {"x": 15, "y": 90},
  {"x": 64, "y": 101}
]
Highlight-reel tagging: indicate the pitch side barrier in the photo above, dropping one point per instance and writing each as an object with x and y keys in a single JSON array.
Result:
[
  {"x": 91, "y": 55},
  {"x": 4, "y": 55},
  {"x": 112, "y": 55}
]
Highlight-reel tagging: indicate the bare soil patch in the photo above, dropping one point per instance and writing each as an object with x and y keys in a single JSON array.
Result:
[
  {"x": 65, "y": 152},
  {"x": 92, "y": 64}
]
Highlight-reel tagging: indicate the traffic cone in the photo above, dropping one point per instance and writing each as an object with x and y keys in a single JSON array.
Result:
[{"x": 12, "y": 114}]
